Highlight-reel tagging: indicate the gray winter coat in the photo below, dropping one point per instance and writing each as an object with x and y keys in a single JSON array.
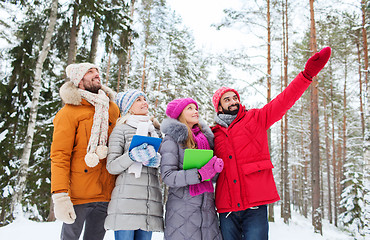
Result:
[
  {"x": 186, "y": 217},
  {"x": 136, "y": 203}
]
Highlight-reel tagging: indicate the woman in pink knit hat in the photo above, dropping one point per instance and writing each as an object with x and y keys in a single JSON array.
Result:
[{"x": 190, "y": 208}]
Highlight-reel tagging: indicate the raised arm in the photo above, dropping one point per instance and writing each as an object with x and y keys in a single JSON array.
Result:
[{"x": 275, "y": 110}]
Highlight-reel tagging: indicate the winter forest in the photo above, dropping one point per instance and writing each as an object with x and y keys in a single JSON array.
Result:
[{"x": 320, "y": 149}]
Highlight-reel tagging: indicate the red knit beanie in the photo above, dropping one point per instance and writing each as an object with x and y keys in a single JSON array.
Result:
[
  {"x": 218, "y": 94},
  {"x": 175, "y": 107}
]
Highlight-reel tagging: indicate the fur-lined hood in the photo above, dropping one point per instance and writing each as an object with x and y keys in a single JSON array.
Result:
[
  {"x": 179, "y": 132},
  {"x": 70, "y": 94}
]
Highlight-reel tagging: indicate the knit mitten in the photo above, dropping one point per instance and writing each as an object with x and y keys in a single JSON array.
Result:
[
  {"x": 200, "y": 188},
  {"x": 153, "y": 162},
  {"x": 63, "y": 208},
  {"x": 215, "y": 165},
  {"x": 316, "y": 63},
  {"x": 142, "y": 153}
]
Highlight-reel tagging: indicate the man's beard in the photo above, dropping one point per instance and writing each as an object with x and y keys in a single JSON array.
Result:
[
  {"x": 228, "y": 111},
  {"x": 92, "y": 88}
]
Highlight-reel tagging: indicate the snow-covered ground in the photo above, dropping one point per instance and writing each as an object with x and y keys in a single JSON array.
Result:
[{"x": 299, "y": 228}]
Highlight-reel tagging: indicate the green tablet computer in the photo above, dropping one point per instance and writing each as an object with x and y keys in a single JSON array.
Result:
[{"x": 196, "y": 158}]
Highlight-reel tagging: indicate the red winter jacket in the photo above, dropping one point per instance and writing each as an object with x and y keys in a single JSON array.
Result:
[{"x": 247, "y": 179}]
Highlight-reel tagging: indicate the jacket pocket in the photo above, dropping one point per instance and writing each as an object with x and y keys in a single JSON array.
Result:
[
  {"x": 85, "y": 181},
  {"x": 259, "y": 182}
]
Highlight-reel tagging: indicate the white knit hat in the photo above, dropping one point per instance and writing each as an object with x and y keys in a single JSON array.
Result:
[{"x": 76, "y": 71}]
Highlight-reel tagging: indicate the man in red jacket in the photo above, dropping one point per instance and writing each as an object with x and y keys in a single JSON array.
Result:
[{"x": 246, "y": 184}]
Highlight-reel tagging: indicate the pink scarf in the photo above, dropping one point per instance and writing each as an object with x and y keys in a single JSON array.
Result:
[
  {"x": 202, "y": 143},
  {"x": 200, "y": 139}
]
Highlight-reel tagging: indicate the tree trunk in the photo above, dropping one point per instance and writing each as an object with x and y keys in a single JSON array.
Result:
[
  {"x": 334, "y": 162},
  {"x": 344, "y": 123},
  {"x": 294, "y": 186},
  {"x": 73, "y": 36},
  {"x": 282, "y": 161},
  {"x": 271, "y": 206},
  {"x": 147, "y": 34},
  {"x": 360, "y": 88},
  {"x": 286, "y": 155},
  {"x": 158, "y": 89},
  {"x": 327, "y": 153},
  {"x": 322, "y": 189},
  {"x": 119, "y": 75},
  {"x": 16, "y": 207},
  {"x": 302, "y": 180},
  {"x": 286, "y": 173},
  {"x": 315, "y": 141},
  {"x": 129, "y": 49},
  {"x": 367, "y": 155},
  {"x": 286, "y": 214},
  {"x": 339, "y": 173},
  {"x": 364, "y": 38},
  {"x": 51, "y": 217},
  {"x": 4, "y": 203},
  {"x": 282, "y": 171},
  {"x": 366, "y": 172},
  {"x": 108, "y": 64},
  {"x": 94, "y": 41},
  {"x": 143, "y": 77},
  {"x": 305, "y": 188}
]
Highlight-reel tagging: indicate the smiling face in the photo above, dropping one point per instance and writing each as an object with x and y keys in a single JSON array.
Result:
[
  {"x": 91, "y": 81},
  {"x": 190, "y": 115},
  {"x": 229, "y": 103},
  {"x": 140, "y": 106}
]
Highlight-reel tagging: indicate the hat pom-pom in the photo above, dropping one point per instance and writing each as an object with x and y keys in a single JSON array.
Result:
[
  {"x": 91, "y": 159},
  {"x": 102, "y": 151}
]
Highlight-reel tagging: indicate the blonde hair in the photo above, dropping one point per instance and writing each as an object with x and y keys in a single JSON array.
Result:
[
  {"x": 122, "y": 120},
  {"x": 190, "y": 142}
]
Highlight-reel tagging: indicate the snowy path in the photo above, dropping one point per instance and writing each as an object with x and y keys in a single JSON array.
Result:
[{"x": 299, "y": 228}]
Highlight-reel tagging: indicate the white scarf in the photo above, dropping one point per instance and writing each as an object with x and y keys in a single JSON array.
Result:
[
  {"x": 143, "y": 126},
  {"x": 97, "y": 148}
]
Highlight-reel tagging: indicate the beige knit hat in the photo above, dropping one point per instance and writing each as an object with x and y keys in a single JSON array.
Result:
[{"x": 76, "y": 71}]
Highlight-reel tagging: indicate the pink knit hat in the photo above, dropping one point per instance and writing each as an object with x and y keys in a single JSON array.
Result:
[
  {"x": 175, "y": 107},
  {"x": 218, "y": 94}
]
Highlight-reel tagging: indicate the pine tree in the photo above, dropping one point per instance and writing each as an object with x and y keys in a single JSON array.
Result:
[
  {"x": 16, "y": 94},
  {"x": 23, "y": 170}
]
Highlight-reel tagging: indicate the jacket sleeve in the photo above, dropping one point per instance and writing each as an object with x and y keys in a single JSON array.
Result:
[
  {"x": 172, "y": 175},
  {"x": 65, "y": 127},
  {"x": 275, "y": 110},
  {"x": 118, "y": 159}
]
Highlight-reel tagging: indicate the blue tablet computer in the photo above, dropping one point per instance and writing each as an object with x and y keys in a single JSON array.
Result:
[{"x": 138, "y": 140}]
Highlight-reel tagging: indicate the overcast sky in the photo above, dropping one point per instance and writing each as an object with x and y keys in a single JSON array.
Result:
[{"x": 199, "y": 15}]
